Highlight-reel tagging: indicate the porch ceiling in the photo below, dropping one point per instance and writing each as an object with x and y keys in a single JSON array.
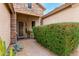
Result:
[
  {"x": 28, "y": 14},
  {"x": 22, "y": 16}
]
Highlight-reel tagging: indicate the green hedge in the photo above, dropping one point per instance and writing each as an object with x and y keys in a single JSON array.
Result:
[{"x": 61, "y": 38}]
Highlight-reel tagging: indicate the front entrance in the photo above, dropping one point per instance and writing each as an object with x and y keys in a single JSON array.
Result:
[
  {"x": 20, "y": 28},
  {"x": 25, "y": 24}
]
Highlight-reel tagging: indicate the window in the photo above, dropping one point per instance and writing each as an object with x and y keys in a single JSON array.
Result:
[
  {"x": 30, "y": 5},
  {"x": 33, "y": 23}
]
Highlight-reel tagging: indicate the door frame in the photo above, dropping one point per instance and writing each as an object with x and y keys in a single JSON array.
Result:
[
  {"x": 20, "y": 28},
  {"x": 24, "y": 33}
]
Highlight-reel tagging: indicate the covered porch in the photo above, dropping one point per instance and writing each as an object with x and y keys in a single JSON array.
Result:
[
  {"x": 21, "y": 26},
  {"x": 24, "y": 25}
]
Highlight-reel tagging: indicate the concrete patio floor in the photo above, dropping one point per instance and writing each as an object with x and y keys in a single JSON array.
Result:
[{"x": 32, "y": 48}]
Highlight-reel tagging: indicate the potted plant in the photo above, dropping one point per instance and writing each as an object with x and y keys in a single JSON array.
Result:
[{"x": 28, "y": 34}]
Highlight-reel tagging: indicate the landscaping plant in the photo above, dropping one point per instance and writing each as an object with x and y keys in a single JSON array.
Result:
[
  {"x": 61, "y": 38},
  {"x": 3, "y": 50}
]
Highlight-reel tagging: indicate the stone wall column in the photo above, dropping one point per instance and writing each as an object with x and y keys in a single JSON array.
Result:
[
  {"x": 13, "y": 28},
  {"x": 39, "y": 21}
]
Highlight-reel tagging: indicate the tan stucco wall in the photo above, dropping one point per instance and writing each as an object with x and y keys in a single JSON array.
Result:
[
  {"x": 4, "y": 24},
  {"x": 68, "y": 15}
]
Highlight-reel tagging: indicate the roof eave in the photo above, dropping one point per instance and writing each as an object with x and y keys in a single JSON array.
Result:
[
  {"x": 41, "y": 6},
  {"x": 9, "y": 6}
]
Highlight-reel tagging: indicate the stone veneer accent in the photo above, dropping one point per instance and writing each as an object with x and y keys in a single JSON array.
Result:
[
  {"x": 23, "y": 8},
  {"x": 13, "y": 28}
]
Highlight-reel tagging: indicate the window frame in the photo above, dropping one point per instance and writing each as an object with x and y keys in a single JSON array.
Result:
[
  {"x": 29, "y": 5},
  {"x": 33, "y": 23}
]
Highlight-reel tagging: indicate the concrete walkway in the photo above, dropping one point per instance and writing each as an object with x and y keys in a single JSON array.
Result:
[{"x": 32, "y": 48}]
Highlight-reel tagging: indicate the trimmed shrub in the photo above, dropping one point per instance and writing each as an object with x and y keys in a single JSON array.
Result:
[{"x": 61, "y": 38}]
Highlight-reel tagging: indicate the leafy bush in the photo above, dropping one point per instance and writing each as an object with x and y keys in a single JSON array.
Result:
[
  {"x": 3, "y": 50},
  {"x": 11, "y": 52},
  {"x": 61, "y": 38}
]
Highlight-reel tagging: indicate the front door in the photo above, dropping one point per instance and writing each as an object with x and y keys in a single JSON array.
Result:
[{"x": 20, "y": 28}]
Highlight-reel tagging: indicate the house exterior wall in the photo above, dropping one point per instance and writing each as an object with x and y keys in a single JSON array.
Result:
[
  {"x": 4, "y": 24},
  {"x": 70, "y": 14},
  {"x": 23, "y": 8}
]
